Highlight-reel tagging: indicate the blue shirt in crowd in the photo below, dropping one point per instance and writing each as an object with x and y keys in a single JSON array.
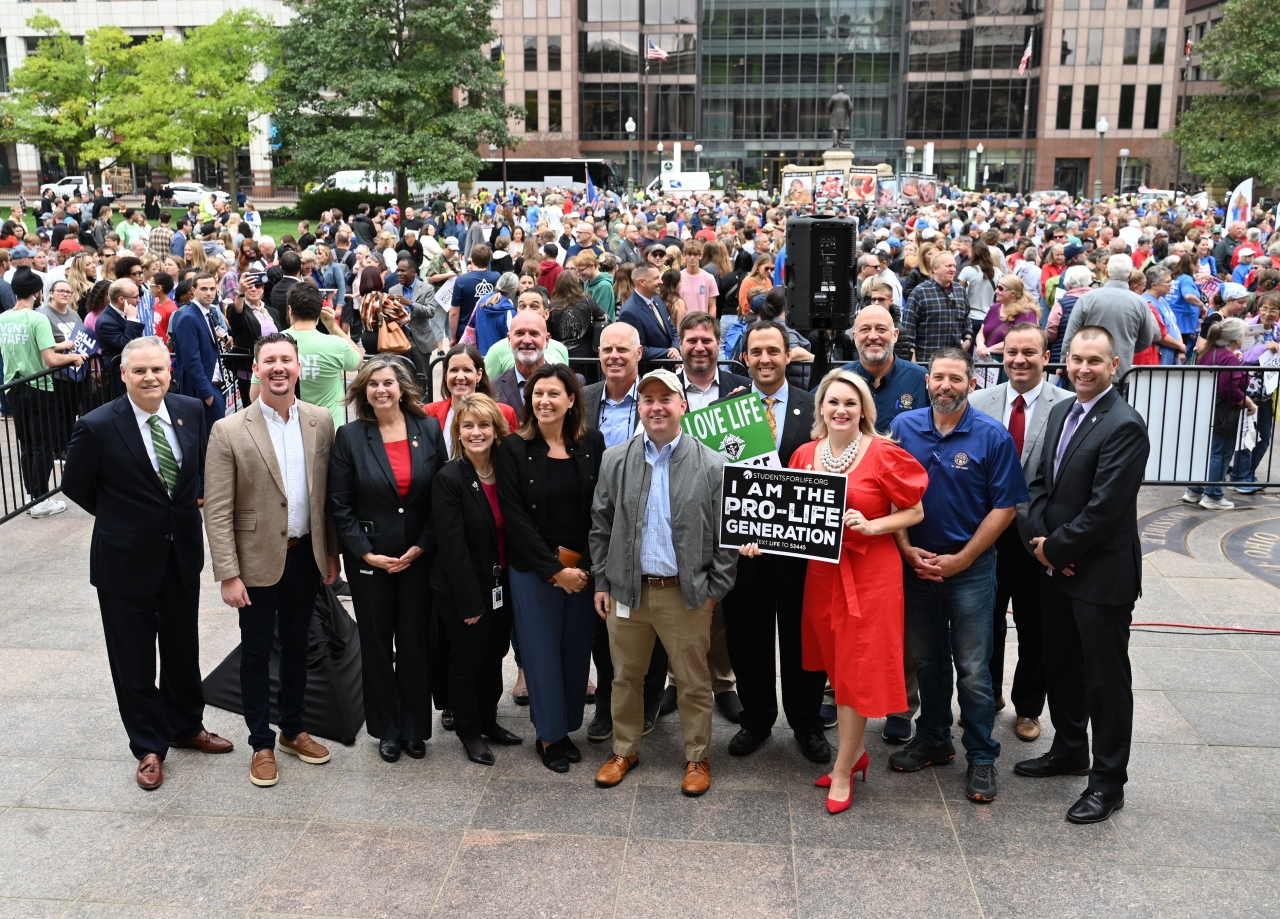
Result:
[{"x": 901, "y": 390}]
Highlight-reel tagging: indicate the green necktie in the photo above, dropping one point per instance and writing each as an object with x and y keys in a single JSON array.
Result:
[{"x": 164, "y": 455}]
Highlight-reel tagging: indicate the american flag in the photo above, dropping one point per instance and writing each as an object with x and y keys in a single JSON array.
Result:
[
  {"x": 656, "y": 53},
  {"x": 1026, "y": 57},
  {"x": 1187, "y": 50}
]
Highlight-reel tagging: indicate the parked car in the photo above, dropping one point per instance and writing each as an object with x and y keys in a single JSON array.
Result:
[
  {"x": 184, "y": 193},
  {"x": 73, "y": 186}
]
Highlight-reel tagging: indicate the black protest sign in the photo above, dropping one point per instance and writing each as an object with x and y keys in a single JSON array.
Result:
[{"x": 792, "y": 512}]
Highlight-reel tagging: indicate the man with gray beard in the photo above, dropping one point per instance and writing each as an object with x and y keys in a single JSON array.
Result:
[{"x": 896, "y": 385}]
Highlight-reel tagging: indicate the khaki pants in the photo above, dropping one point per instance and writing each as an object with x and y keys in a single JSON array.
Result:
[
  {"x": 722, "y": 679},
  {"x": 686, "y": 635}
]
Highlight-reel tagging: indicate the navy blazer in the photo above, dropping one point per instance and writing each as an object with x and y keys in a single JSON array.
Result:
[
  {"x": 195, "y": 356},
  {"x": 109, "y": 474},
  {"x": 655, "y": 339},
  {"x": 114, "y": 332}
]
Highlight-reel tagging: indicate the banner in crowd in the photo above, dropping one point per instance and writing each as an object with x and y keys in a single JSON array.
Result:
[
  {"x": 828, "y": 185},
  {"x": 1240, "y": 204},
  {"x": 793, "y": 512},
  {"x": 736, "y": 428},
  {"x": 888, "y": 194},
  {"x": 919, "y": 188},
  {"x": 863, "y": 181}
]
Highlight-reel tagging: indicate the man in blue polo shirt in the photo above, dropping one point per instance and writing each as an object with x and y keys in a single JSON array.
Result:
[
  {"x": 896, "y": 386},
  {"x": 949, "y": 575}
]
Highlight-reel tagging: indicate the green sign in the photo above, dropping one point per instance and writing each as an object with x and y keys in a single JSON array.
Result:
[{"x": 737, "y": 428}]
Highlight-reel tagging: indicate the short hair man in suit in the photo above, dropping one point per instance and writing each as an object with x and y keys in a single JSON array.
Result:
[
  {"x": 196, "y": 365},
  {"x": 120, "y": 322},
  {"x": 646, "y": 311},
  {"x": 1022, "y": 405},
  {"x": 1083, "y": 518},
  {"x": 272, "y": 543},
  {"x": 134, "y": 464}
]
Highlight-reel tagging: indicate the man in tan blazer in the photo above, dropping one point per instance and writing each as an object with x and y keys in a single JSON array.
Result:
[{"x": 272, "y": 544}]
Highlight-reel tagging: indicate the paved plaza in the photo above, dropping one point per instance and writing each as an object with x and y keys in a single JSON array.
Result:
[{"x": 440, "y": 837}]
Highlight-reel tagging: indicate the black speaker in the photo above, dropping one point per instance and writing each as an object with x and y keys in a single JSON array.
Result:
[{"x": 822, "y": 254}]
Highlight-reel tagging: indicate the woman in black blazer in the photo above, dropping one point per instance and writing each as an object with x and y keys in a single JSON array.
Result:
[
  {"x": 547, "y": 476},
  {"x": 381, "y": 470},
  {"x": 469, "y": 576}
]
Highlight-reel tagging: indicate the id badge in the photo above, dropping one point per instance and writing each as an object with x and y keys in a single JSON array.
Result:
[
  {"x": 497, "y": 598},
  {"x": 622, "y": 611}
]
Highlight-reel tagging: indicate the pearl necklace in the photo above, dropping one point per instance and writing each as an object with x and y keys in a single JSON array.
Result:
[{"x": 845, "y": 459}]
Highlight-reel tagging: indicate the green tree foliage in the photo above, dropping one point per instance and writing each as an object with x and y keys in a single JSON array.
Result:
[
  {"x": 1231, "y": 137},
  {"x": 397, "y": 86}
]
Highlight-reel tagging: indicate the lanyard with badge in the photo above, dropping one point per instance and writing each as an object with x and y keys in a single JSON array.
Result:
[{"x": 497, "y": 586}]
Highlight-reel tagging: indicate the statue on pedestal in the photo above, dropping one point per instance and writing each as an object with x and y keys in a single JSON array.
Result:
[{"x": 839, "y": 115}]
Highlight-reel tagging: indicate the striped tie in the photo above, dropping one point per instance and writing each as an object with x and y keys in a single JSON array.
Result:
[{"x": 164, "y": 455}]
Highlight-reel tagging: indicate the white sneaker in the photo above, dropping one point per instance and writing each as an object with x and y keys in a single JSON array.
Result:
[
  {"x": 1216, "y": 504},
  {"x": 1190, "y": 497},
  {"x": 47, "y": 508}
]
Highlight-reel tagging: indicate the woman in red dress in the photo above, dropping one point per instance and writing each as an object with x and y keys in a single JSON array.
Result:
[{"x": 852, "y": 625}]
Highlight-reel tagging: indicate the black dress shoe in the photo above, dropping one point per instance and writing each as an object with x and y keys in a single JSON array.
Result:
[
  {"x": 501, "y": 736},
  {"x": 1094, "y": 806},
  {"x": 601, "y": 727},
  {"x": 668, "y": 703},
  {"x": 729, "y": 705},
  {"x": 553, "y": 757},
  {"x": 746, "y": 742},
  {"x": 814, "y": 747},
  {"x": 571, "y": 751},
  {"x": 416, "y": 748},
  {"x": 477, "y": 751},
  {"x": 1044, "y": 766},
  {"x": 389, "y": 750},
  {"x": 446, "y": 719}
]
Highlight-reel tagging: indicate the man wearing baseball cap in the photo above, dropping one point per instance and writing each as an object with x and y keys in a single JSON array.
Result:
[{"x": 657, "y": 497}]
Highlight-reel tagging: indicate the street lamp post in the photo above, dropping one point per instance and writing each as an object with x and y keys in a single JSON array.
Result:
[
  {"x": 493, "y": 148},
  {"x": 911, "y": 157},
  {"x": 697, "y": 157},
  {"x": 978, "y": 165},
  {"x": 1102, "y": 149},
  {"x": 1124, "y": 163},
  {"x": 631, "y": 170}
]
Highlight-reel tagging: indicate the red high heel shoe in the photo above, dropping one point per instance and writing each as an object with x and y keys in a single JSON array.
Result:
[{"x": 824, "y": 781}]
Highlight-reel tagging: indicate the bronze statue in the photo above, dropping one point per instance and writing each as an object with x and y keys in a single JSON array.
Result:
[{"x": 840, "y": 115}]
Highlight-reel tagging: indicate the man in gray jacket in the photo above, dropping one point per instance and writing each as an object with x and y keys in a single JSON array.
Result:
[
  {"x": 1118, "y": 310},
  {"x": 655, "y": 524}
]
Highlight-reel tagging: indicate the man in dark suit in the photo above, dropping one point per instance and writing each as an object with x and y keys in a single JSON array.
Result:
[
  {"x": 770, "y": 588},
  {"x": 290, "y": 274},
  {"x": 647, "y": 313},
  {"x": 197, "y": 371},
  {"x": 134, "y": 464},
  {"x": 119, "y": 324},
  {"x": 1084, "y": 523}
]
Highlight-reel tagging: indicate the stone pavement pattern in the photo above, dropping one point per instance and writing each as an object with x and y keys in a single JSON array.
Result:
[{"x": 440, "y": 837}]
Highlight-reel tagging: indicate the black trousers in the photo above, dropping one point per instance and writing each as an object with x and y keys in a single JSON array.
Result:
[
  {"x": 394, "y": 610},
  {"x": 175, "y": 711},
  {"x": 1086, "y": 668},
  {"x": 36, "y": 422},
  {"x": 655, "y": 679},
  {"x": 285, "y": 608},
  {"x": 768, "y": 598},
  {"x": 1018, "y": 581},
  {"x": 475, "y": 664}
]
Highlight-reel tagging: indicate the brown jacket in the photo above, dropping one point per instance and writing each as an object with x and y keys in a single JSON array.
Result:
[{"x": 245, "y": 513}]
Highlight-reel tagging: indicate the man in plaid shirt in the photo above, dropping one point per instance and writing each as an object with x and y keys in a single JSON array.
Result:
[
  {"x": 161, "y": 236},
  {"x": 936, "y": 315}
]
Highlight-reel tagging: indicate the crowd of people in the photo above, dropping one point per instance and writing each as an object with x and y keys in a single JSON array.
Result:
[{"x": 575, "y": 524}]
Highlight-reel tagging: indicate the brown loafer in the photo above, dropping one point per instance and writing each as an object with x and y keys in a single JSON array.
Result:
[
  {"x": 1027, "y": 729},
  {"x": 305, "y": 748},
  {"x": 697, "y": 778},
  {"x": 262, "y": 769},
  {"x": 205, "y": 742},
  {"x": 150, "y": 772},
  {"x": 614, "y": 768}
]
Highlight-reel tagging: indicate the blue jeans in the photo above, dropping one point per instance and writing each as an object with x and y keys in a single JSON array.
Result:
[
  {"x": 1220, "y": 455},
  {"x": 959, "y": 606}
]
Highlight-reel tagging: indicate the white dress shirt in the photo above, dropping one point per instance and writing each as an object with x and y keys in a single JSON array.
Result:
[
  {"x": 144, "y": 428},
  {"x": 700, "y": 398},
  {"x": 286, "y": 439},
  {"x": 1029, "y": 400}
]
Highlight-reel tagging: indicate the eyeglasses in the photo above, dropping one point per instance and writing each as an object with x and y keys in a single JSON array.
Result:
[{"x": 882, "y": 299}]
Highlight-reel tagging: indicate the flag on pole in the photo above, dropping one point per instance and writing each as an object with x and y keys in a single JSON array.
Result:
[
  {"x": 1026, "y": 57},
  {"x": 1187, "y": 50},
  {"x": 502, "y": 55},
  {"x": 592, "y": 193},
  {"x": 656, "y": 53}
]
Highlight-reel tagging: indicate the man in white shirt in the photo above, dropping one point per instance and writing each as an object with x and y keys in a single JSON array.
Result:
[{"x": 700, "y": 373}]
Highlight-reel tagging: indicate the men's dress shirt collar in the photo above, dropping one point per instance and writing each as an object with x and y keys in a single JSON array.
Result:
[
  {"x": 653, "y": 453},
  {"x": 170, "y": 433},
  {"x": 1088, "y": 406},
  {"x": 779, "y": 408},
  {"x": 1028, "y": 398},
  {"x": 143, "y": 415},
  {"x": 272, "y": 415}
]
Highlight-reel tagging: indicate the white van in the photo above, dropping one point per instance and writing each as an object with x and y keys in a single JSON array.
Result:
[
  {"x": 680, "y": 183},
  {"x": 358, "y": 180}
]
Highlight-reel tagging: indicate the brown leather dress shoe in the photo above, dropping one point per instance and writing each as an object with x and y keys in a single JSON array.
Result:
[
  {"x": 305, "y": 748},
  {"x": 150, "y": 772},
  {"x": 614, "y": 768},
  {"x": 697, "y": 778},
  {"x": 1027, "y": 729},
  {"x": 262, "y": 770},
  {"x": 205, "y": 742}
]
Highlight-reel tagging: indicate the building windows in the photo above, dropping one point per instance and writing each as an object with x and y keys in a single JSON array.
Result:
[
  {"x": 609, "y": 10},
  {"x": 530, "y": 111},
  {"x": 1001, "y": 47},
  {"x": 1161, "y": 5},
  {"x": 1071, "y": 4},
  {"x": 1089, "y": 110},
  {"x": 926, "y": 10},
  {"x": 604, "y": 109},
  {"x": 940, "y": 50},
  {"x": 937, "y": 109},
  {"x": 1127, "y": 93},
  {"x": 1097, "y": 4},
  {"x": 531, "y": 53},
  {"x": 995, "y": 107},
  {"x": 670, "y": 12},
  {"x": 4, "y": 77},
  {"x": 1151, "y": 117},
  {"x": 530, "y": 9},
  {"x": 495, "y": 53},
  {"x": 553, "y": 53},
  {"x": 1063, "y": 121},
  {"x": 1158, "y": 37},
  {"x": 1006, "y": 7},
  {"x": 1135, "y": 4},
  {"x": 1067, "y": 50},
  {"x": 555, "y": 120},
  {"x": 1093, "y": 54},
  {"x": 609, "y": 52},
  {"x": 553, "y": 9},
  {"x": 682, "y": 53},
  {"x": 671, "y": 112},
  {"x": 1132, "y": 38}
]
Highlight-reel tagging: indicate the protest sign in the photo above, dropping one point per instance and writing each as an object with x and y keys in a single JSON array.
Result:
[
  {"x": 736, "y": 428},
  {"x": 794, "y": 512}
]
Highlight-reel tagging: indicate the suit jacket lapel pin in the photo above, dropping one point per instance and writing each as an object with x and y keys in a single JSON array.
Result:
[
  {"x": 475, "y": 485},
  {"x": 796, "y": 412},
  {"x": 179, "y": 420},
  {"x": 415, "y": 443}
]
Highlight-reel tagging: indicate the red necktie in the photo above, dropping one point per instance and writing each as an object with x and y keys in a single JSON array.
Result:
[{"x": 1018, "y": 423}]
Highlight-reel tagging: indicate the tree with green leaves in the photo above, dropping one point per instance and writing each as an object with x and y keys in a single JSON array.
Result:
[
  {"x": 59, "y": 97},
  {"x": 1233, "y": 136},
  {"x": 391, "y": 86}
]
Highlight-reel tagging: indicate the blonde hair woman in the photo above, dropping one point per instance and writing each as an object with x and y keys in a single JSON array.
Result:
[
  {"x": 196, "y": 256},
  {"x": 1012, "y": 305}
]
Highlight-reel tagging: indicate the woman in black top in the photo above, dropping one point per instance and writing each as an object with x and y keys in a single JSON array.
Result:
[
  {"x": 546, "y": 479},
  {"x": 573, "y": 311}
]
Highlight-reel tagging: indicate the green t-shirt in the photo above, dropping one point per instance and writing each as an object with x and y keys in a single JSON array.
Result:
[
  {"x": 23, "y": 335},
  {"x": 325, "y": 359},
  {"x": 499, "y": 359}
]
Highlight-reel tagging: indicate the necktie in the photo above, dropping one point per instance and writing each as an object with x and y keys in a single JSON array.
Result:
[
  {"x": 769, "y": 416},
  {"x": 213, "y": 327},
  {"x": 164, "y": 455},
  {"x": 1068, "y": 431},
  {"x": 1018, "y": 422}
]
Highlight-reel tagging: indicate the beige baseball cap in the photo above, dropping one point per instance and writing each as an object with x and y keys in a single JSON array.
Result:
[{"x": 665, "y": 377}]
